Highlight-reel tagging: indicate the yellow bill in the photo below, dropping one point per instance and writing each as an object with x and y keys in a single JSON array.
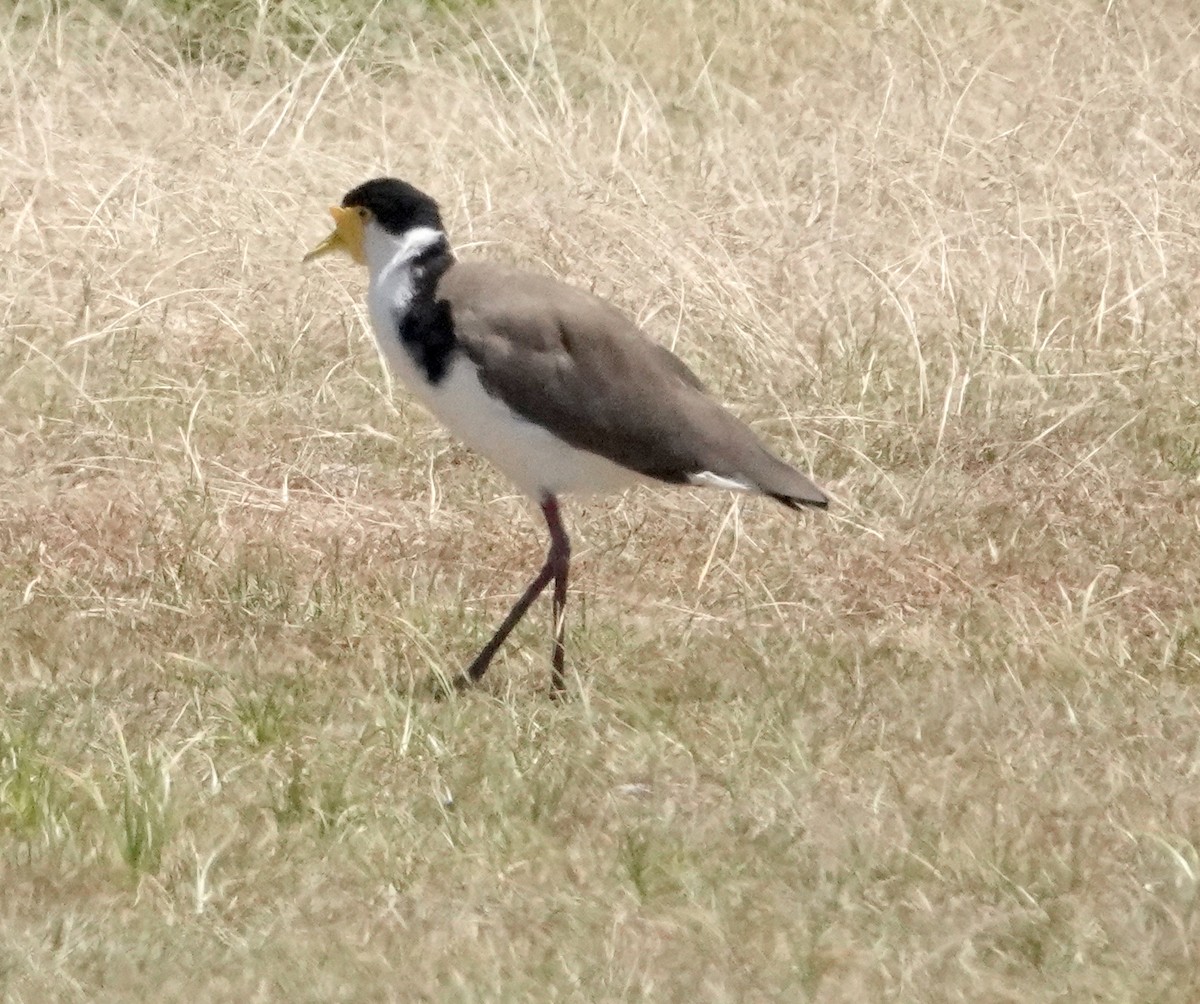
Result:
[{"x": 347, "y": 236}]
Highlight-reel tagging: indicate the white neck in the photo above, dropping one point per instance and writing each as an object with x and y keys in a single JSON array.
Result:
[{"x": 387, "y": 252}]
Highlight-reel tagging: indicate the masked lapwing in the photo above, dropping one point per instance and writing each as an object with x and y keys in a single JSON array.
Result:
[{"x": 559, "y": 389}]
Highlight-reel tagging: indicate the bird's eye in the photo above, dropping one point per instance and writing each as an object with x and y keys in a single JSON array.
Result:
[{"x": 362, "y": 213}]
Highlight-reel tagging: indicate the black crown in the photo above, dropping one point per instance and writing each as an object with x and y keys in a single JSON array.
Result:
[{"x": 395, "y": 204}]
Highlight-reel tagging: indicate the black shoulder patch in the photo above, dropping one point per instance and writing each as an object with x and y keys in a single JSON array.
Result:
[{"x": 426, "y": 328}]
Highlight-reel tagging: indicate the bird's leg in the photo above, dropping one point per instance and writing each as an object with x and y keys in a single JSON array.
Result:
[
  {"x": 560, "y": 559},
  {"x": 480, "y": 663},
  {"x": 555, "y": 568}
]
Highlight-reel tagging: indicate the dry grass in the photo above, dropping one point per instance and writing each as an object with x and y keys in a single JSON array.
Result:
[{"x": 939, "y": 746}]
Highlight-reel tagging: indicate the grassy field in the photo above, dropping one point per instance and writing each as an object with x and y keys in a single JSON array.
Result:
[{"x": 940, "y": 744}]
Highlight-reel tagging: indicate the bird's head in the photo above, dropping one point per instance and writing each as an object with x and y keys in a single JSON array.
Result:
[{"x": 382, "y": 206}]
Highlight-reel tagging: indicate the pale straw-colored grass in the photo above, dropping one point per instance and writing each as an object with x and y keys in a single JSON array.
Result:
[{"x": 938, "y": 745}]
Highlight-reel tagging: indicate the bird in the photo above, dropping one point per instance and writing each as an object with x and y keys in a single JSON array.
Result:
[{"x": 558, "y": 388}]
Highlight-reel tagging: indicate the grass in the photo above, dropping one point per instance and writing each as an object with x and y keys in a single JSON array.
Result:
[{"x": 938, "y": 745}]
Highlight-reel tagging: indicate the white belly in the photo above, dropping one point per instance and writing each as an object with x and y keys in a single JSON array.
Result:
[{"x": 538, "y": 462}]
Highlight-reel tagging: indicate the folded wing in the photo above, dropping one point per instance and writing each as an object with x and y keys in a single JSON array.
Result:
[{"x": 578, "y": 366}]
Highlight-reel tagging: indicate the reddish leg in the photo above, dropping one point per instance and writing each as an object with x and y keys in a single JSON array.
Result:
[
  {"x": 557, "y": 564},
  {"x": 562, "y": 566}
]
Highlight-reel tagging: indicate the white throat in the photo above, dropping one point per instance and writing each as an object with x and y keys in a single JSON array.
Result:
[
  {"x": 390, "y": 261},
  {"x": 391, "y": 253},
  {"x": 391, "y": 264}
]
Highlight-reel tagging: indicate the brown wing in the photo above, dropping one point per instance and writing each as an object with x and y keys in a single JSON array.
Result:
[{"x": 569, "y": 361}]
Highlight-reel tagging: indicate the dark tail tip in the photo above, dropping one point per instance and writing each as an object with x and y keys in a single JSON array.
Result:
[{"x": 792, "y": 502}]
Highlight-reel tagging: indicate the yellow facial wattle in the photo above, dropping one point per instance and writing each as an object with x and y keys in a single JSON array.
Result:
[{"x": 347, "y": 236}]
